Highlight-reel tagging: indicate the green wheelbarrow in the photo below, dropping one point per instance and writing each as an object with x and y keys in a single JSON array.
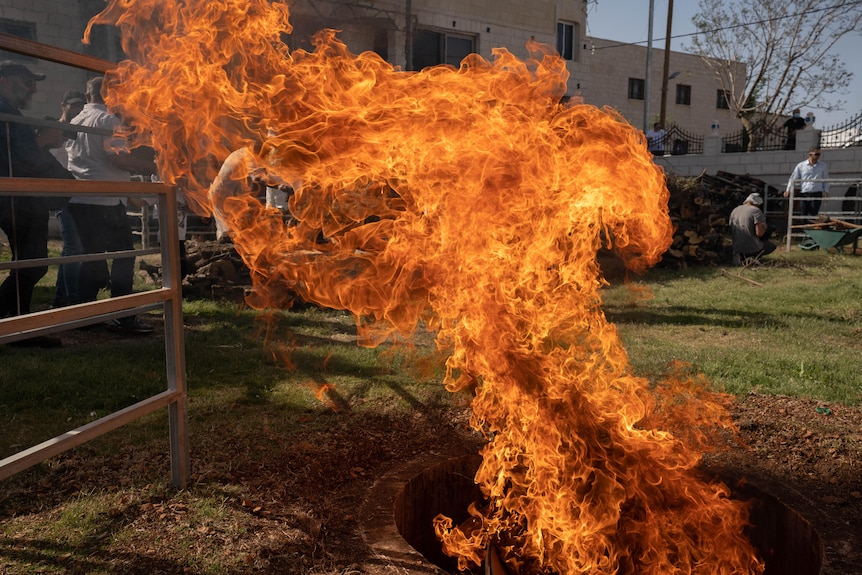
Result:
[{"x": 831, "y": 238}]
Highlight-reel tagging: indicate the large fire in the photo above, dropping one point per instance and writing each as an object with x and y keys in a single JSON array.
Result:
[{"x": 469, "y": 202}]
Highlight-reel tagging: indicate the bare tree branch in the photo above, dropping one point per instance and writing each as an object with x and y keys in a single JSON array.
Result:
[{"x": 787, "y": 47}]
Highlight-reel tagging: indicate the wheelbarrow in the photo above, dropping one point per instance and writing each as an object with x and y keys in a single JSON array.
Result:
[{"x": 831, "y": 234}]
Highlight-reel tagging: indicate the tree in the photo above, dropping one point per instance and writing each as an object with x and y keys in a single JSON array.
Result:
[{"x": 787, "y": 47}]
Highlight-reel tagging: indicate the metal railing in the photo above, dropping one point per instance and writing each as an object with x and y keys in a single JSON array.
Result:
[
  {"x": 678, "y": 142},
  {"x": 850, "y": 212},
  {"x": 758, "y": 140},
  {"x": 843, "y": 135},
  {"x": 168, "y": 297}
]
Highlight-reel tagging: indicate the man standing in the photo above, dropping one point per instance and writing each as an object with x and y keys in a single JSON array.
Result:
[
  {"x": 793, "y": 125},
  {"x": 24, "y": 219},
  {"x": 66, "y": 288},
  {"x": 655, "y": 139},
  {"x": 748, "y": 226},
  {"x": 811, "y": 173},
  {"x": 102, "y": 223}
]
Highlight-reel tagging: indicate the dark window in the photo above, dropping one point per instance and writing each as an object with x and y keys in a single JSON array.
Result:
[
  {"x": 18, "y": 28},
  {"x": 457, "y": 48},
  {"x": 636, "y": 89},
  {"x": 567, "y": 40},
  {"x": 431, "y": 48},
  {"x": 721, "y": 100},
  {"x": 683, "y": 95},
  {"x": 381, "y": 43},
  {"x": 105, "y": 43}
]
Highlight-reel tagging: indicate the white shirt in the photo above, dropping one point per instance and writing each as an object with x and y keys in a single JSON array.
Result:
[
  {"x": 655, "y": 139},
  {"x": 88, "y": 153},
  {"x": 810, "y": 176}
]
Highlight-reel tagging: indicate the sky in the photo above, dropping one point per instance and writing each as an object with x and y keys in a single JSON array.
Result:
[{"x": 603, "y": 21}]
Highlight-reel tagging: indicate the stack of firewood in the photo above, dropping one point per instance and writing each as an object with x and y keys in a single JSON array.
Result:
[
  {"x": 213, "y": 270},
  {"x": 700, "y": 209}
]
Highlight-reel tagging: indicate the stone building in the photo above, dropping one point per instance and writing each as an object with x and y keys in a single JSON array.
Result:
[
  {"x": 602, "y": 72},
  {"x": 615, "y": 76}
]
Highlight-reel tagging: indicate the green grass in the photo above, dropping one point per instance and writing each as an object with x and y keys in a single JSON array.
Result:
[
  {"x": 798, "y": 333},
  {"x": 262, "y": 419},
  {"x": 790, "y": 328}
]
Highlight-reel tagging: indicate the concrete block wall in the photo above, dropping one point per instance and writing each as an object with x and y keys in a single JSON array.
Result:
[
  {"x": 609, "y": 65},
  {"x": 59, "y": 24},
  {"x": 494, "y": 23},
  {"x": 773, "y": 167}
]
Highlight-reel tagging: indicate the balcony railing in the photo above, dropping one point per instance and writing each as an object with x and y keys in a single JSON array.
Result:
[
  {"x": 759, "y": 139},
  {"x": 678, "y": 142},
  {"x": 843, "y": 135}
]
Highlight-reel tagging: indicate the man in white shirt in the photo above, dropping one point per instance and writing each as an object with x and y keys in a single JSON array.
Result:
[
  {"x": 656, "y": 139},
  {"x": 102, "y": 223},
  {"x": 810, "y": 174}
]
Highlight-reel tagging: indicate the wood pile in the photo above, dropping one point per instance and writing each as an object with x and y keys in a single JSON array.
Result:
[
  {"x": 700, "y": 210},
  {"x": 213, "y": 270}
]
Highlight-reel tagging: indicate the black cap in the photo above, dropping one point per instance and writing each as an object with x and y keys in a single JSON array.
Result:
[
  {"x": 73, "y": 96},
  {"x": 10, "y": 68}
]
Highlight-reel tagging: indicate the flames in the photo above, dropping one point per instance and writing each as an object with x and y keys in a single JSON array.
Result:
[{"x": 472, "y": 203}]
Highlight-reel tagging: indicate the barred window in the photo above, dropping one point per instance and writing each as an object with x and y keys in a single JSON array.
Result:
[
  {"x": 683, "y": 95},
  {"x": 636, "y": 89}
]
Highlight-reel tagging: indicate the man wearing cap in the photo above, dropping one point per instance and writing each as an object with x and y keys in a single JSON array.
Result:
[
  {"x": 72, "y": 104},
  {"x": 748, "y": 226},
  {"x": 24, "y": 218}
]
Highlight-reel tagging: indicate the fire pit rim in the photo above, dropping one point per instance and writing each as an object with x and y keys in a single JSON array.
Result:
[{"x": 381, "y": 534}]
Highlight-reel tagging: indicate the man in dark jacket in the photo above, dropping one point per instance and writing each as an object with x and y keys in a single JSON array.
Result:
[{"x": 24, "y": 219}]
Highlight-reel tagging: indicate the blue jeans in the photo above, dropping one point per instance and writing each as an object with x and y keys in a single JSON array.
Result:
[
  {"x": 104, "y": 229},
  {"x": 66, "y": 291}
]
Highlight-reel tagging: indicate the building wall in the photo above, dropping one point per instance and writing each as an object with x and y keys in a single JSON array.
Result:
[
  {"x": 599, "y": 71},
  {"x": 60, "y": 24},
  {"x": 493, "y": 23},
  {"x": 773, "y": 167},
  {"x": 609, "y": 65}
]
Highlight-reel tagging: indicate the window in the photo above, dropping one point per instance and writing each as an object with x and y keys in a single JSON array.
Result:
[
  {"x": 431, "y": 48},
  {"x": 381, "y": 43},
  {"x": 683, "y": 95},
  {"x": 26, "y": 30},
  {"x": 568, "y": 37},
  {"x": 636, "y": 89},
  {"x": 105, "y": 43},
  {"x": 721, "y": 100}
]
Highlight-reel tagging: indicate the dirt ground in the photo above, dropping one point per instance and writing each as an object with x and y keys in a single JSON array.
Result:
[{"x": 294, "y": 507}]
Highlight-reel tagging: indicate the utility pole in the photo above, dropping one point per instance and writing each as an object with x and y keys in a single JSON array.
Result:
[
  {"x": 408, "y": 36},
  {"x": 648, "y": 68},
  {"x": 665, "y": 74}
]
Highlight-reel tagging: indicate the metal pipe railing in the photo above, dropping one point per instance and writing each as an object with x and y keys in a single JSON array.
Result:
[
  {"x": 168, "y": 297},
  {"x": 792, "y": 198}
]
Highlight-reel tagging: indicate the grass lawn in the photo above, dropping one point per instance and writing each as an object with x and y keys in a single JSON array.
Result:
[
  {"x": 793, "y": 327},
  {"x": 288, "y": 436}
]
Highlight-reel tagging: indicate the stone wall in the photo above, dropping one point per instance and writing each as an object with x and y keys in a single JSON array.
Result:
[{"x": 773, "y": 167}]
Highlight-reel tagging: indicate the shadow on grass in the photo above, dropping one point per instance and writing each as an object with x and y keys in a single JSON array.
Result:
[
  {"x": 728, "y": 318},
  {"x": 689, "y": 315},
  {"x": 35, "y": 552}
]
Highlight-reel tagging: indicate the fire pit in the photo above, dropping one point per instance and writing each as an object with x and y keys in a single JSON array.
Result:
[{"x": 786, "y": 541}]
